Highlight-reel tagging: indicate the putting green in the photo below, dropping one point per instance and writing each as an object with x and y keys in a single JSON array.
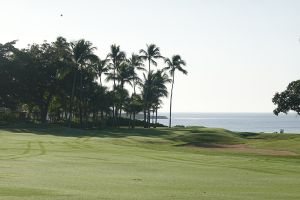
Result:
[{"x": 60, "y": 163}]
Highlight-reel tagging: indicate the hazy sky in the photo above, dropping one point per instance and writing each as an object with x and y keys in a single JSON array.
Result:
[{"x": 238, "y": 52}]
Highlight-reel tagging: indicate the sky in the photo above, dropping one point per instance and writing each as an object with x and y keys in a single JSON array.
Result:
[{"x": 238, "y": 52}]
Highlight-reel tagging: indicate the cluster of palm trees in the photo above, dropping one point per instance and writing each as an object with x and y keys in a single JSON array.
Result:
[{"x": 71, "y": 80}]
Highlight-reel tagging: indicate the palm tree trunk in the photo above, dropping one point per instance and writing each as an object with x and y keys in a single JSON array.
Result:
[
  {"x": 149, "y": 68},
  {"x": 44, "y": 112},
  {"x": 80, "y": 100},
  {"x": 95, "y": 117},
  {"x": 130, "y": 120},
  {"x": 114, "y": 96},
  {"x": 147, "y": 118},
  {"x": 65, "y": 110},
  {"x": 134, "y": 84},
  {"x": 46, "y": 107},
  {"x": 152, "y": 118},
  {"x": 122, "y": 99},
  {"x": 170, "y": 118},
  {"x": 145, "y": 108},
  {"x": 72, "y": 99},
  {"x": 100, "y": 75},
  {"x": 155, "y": 117},
  {"x": 133, "y": 122},
  {"x": 149, "y": 114},
  {"x": 101, "y": 114},
  {"x": 86, "y": 115}
]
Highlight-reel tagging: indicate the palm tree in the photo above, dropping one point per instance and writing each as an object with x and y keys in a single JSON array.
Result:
[
  {"x": 116, "y": 56},
  {"x": 155, "y": 87},
  {"x": 136, "y": 63},
  {"x": 126, "y": 74},
  {"x": 156, "y": 106},
  {"x": 150, "y": 54},
  {"x": 132, "y": 106},
  {"x": 64, "y": 55},
  {"x": 174, "y": 64},
  {"x": 62, "y": 49},
  {"x": 82, "y": 54},
  {"x": 101, "y": 67},
  {"x": 159, "y": 90}
]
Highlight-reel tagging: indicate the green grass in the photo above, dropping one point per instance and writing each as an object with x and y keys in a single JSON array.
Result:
[{"x": 61, "y": 163}]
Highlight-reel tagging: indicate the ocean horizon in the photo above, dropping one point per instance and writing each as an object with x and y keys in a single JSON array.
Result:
[{"x": 243, "y": 122}]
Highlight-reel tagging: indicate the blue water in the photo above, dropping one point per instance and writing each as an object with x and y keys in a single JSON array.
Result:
[{"x": 252, "y": 122}]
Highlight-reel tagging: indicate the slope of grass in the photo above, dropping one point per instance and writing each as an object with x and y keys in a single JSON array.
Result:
[
  {"x": 60, "y": 163},
  {"x": 198, "y": 136},
  {"x": 289, "y": 142}
]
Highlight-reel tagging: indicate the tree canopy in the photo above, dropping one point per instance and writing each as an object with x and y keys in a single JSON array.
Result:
[
  {"x": 288, "y": 99},
  {"x": 61, "y": 81}
]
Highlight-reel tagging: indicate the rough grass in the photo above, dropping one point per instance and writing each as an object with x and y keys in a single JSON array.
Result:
[{"x": 61, "y": 163}]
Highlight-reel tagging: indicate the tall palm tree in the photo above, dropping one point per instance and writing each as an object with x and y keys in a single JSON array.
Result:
[
  {"x": 101, "y": 67},
  {"x": 82, "y": 54},
  {"x": 160, "y": 91},
  {"x": 151, "y": 53},
  {"x": 135, "y": 61},
  {"x": 116, "y": 56},
  {"x": 137, "y": 64},
  {"x": 64, "y": 55},
  {"x": 175, "y": 64},
  {"x": 125, "y": 75}
]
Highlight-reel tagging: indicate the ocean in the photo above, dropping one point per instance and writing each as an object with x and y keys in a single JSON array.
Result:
[{"x": 244, "y": 122}]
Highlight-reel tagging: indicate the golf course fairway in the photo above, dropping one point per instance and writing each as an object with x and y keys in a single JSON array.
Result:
[{"x": 52, "y": 162}]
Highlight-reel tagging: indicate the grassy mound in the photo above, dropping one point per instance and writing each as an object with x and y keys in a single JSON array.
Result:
[{"x": 204, "y": 136}]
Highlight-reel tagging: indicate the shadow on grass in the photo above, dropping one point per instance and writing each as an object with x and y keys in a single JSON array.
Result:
[
  {"x": 72, "y": 132},
  {"x": 248, "y": 135},
  {"x": 202, "y": 145}
]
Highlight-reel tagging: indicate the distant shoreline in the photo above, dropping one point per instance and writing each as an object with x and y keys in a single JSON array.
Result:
[
  {"x": 141, "y": 116},
  {"x": 241, "y": 122}
]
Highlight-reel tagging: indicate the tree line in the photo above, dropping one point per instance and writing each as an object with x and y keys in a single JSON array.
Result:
[{"x": 62, "y": 81}]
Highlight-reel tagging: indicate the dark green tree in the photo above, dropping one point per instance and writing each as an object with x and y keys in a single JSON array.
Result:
[
  {"x": 58, "y": 82},
  {"x": 38, "y": 74},
  {"x": 83, "y": 56},
  {"x": 9, "y": 92},
  {"x": 288, "y": 99}
]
